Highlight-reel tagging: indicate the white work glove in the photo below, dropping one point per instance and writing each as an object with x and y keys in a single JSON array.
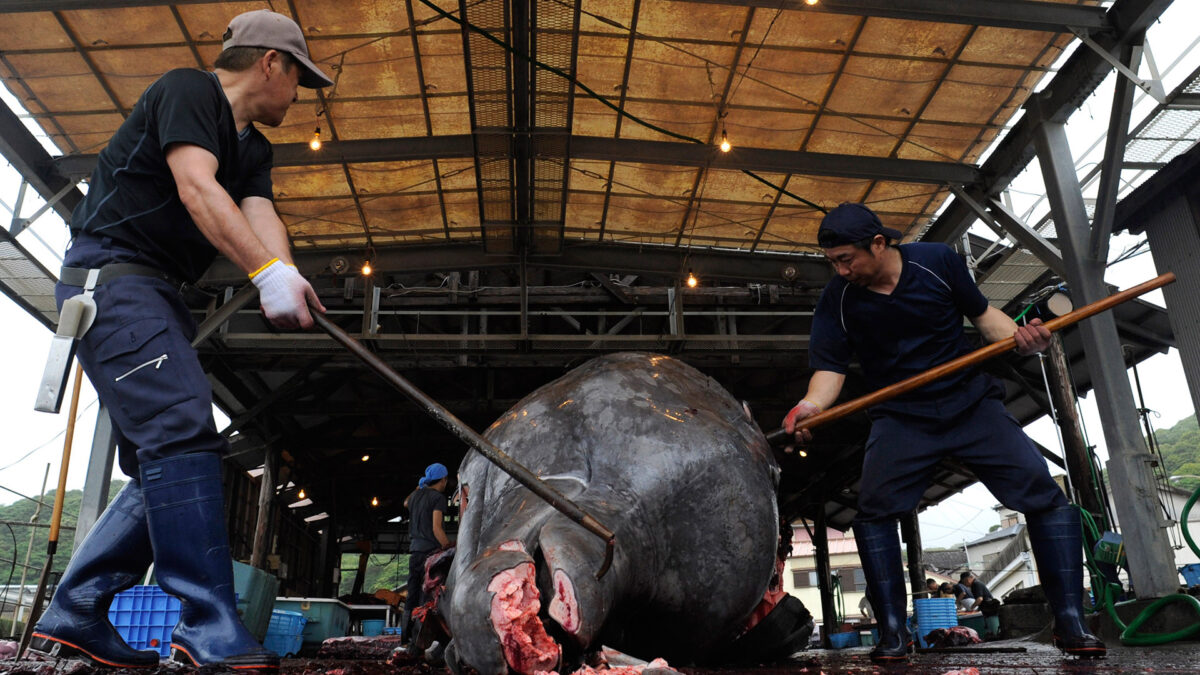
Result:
[{"x": 284, "y": 295}]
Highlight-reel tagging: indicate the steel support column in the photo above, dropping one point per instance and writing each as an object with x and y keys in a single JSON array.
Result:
[
  {"x": 266, "y": 511},
  {"x": 1151, "y": 567},
  {"x": 1114, "y": 156},
  {"x": 99, "y": 471},
  {"x": 820, "y": 541}
]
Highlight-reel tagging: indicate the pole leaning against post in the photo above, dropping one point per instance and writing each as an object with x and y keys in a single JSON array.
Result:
[
  {"x": 469, "y": 436},
  {"x": 56, "y": 518},
  {"x": 779, "y": 436}
]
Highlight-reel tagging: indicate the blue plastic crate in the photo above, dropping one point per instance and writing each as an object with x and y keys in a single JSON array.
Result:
[
  {"x": 145, "y": 617},
  {"x": 1191, "y": 574},
  {"x": 391, "y": 630},
  {"x": 285, "y": 632},
  {"x": 844, "y": 640},
  {"x": 932, "y": 614}
]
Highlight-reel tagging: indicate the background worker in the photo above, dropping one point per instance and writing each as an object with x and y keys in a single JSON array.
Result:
[
  {"x": 185, "y": 176},
  {"x": 899, "y": 310},
  {"x": 963, "y": 602},
  {"x": 865, "y": 609},
  {"x": 427, "y": 509},
  {"x": 976, "y": 588}
]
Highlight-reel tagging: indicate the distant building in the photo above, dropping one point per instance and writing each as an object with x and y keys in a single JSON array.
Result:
[
  {"x": 1002, "y": 559},
  {"x": 800, "y": 575}
]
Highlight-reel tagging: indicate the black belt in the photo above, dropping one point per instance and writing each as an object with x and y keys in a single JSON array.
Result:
[{"x": 77, "y": 276}]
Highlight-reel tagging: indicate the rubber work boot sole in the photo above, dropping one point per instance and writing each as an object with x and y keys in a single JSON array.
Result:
[
  {"x": 180, "y": 654},
  {"x": 61, "y": 649},
  {"x": 883, "y": 657},
  {"x": 1085, "y": 647}
]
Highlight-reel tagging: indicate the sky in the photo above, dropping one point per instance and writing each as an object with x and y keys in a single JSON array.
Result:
[{"x": 34, "y": 441}]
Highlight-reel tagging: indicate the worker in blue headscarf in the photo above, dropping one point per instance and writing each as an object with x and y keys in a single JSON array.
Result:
[{"x": 427, "y": 507}]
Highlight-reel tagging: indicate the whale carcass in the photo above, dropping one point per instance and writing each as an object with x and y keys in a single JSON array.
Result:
[{"x": 668, "y": 460}]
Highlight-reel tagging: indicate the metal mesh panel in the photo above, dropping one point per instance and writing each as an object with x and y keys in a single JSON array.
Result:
[
  {"x": 491, "y": 82},
  {"x": 555, "y": 47},
  {"x": 1168, "y": 135},
  {"x": 21, "y": 277},
  {"x": 490, "y": 78}
]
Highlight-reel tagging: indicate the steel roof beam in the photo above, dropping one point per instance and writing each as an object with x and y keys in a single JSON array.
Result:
[
  {"x": 1018, "y": 14},
  {"x": 613, "y": 149},
  {"x": 352, "y": 152},
  {"x": 27, "y": 156},
  {"x": 769, "y": 160},
  {"x": 13, "y": 6},
  {"x": 810, "y": 272}
]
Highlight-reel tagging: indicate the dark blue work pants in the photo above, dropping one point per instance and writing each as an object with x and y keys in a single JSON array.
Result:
[
  {"x": 138, "y": 356},
  {"x": 903, "y": 452}
]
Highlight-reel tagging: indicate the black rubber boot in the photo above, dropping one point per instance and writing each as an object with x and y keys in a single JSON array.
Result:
[
  {"x": 1057, "y": 542},
  {"x": 879, "y": 550},
  {"x": 186, "y": 513},
  {"x": 115, "y": 554}
]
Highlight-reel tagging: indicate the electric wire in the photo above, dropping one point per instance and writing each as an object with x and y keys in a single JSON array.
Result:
[
  {"x": 826, "y": 110},
  {"x": 602, "y": 99},
  {"x": 48, "y": 442}
]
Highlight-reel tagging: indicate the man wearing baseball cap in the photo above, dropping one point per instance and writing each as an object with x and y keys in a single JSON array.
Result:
[
  {"x": 899, "y": 310},
  {"x": 187, "y": 175}
]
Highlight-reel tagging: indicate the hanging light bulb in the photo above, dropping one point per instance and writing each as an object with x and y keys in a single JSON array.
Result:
[
  {"x": 374, "y": 501},
  {"x": 804, "y": 453},
  {"x": 366, "y": 268},
  {"x": 725, "y": 146},
  {"x": 811, "y": 2},
  {"x": 692, "y": 281},
  {"x": 301, "y": 494},
  {"x": 315, "y": 143},
  {"x": 366, "y": 458}
]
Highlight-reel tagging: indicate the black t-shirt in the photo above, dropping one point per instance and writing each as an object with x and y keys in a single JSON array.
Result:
[
  {"x": 132, "y": 196},
  {"x": 978, "y": 590},
  {"x": 424, "y": 503}
]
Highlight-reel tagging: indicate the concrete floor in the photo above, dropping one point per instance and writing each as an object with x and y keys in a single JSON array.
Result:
[{"x": 1037, "y": 658}]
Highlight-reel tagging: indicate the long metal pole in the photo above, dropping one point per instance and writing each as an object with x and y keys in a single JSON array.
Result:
[
  {"x": 56, "y": 517},
  {"x": 467, "y": 435},
  {"x": 966, "y": 360},
  {"x": 28, "y": 554}
]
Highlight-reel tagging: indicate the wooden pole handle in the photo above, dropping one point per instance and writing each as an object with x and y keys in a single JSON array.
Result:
[
  {"x": 967, "y": 360},
  {"x": 61, "y": 493}
]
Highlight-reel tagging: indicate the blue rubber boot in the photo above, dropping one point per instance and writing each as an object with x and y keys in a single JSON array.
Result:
[
  {"x": 1057, "y": 541},
  {"x": 115, "y": 554},
  {"x": 879, "y": 550},
  {"x": 186, "y": 513}
]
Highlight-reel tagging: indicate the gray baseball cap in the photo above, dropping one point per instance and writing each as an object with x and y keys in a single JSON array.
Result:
[{"x": 269, "y": 30}]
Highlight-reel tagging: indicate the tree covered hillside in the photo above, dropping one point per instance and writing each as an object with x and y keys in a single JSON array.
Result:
[
  {"x": 1180, "y": 446},
  {"x": 15, "y": 534}
]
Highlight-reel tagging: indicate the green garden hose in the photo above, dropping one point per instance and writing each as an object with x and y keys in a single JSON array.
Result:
[{"x": 1106, "y": 593}]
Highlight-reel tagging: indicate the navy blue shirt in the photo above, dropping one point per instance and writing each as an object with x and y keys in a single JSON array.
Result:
[
  {"x": 916, "y": 327},
  {"x": 132, "y": 197}
]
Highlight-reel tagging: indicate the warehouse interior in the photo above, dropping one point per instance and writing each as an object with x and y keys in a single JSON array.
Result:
[{"x": 533, "y": 183}]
